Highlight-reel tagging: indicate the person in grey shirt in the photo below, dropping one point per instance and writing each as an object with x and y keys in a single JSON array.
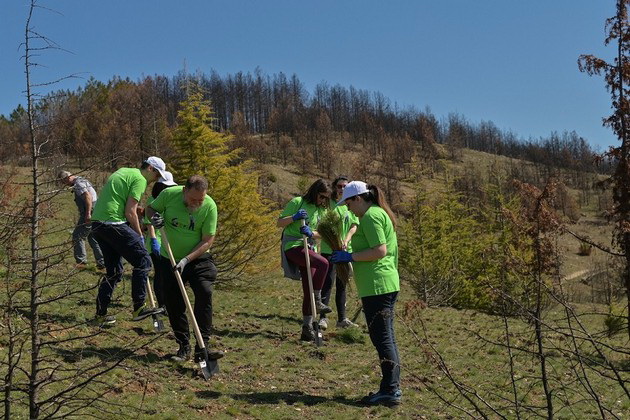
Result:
[{"x": 85, "y": 197}]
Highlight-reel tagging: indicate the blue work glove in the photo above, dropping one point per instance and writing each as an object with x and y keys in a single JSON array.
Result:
[
  {"x": 341, "y": 257},
  {"x": 181, "y": 264},
  {"x": 157, "y": 220},
  {"x": 301, "y": 214},
  {"x": 306, "y": 231},
  {"x": 155, "y": 247}
]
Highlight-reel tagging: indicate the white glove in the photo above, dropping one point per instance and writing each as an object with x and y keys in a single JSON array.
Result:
[{"x": 181, "y": 264}]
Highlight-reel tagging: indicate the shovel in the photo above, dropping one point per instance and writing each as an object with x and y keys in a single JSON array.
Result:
[
  {"x": 208, "y": 366},
  {"x": 318, "y": 333},
  {"x": 157, "y": 321}
]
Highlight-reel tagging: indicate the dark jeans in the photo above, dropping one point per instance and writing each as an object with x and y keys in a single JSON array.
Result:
[
  {"x": 319, "y": 268},
  {"x": 157, "y": 279},
  {"x": 379, "y": 315},
  {"x": 118, "y": 242},
  {"x": 340, "y": 290},
  {"x": 200, "y": 274}
]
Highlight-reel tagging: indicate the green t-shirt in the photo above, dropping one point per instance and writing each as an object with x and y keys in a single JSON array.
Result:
[
  {"x": 122, "y": 184},
  {"x": 293, "y": 229},
  {"x": 183, "y": 228},
  {"x": 380, "y": 276},
  {"x": 347, "y": 220}
]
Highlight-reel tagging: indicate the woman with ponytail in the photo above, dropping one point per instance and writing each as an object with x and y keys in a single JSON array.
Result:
[{"x": 374, "y": 259}]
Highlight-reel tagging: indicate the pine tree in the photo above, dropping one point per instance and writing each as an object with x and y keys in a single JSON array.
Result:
[{"x": 246, "y": 230}]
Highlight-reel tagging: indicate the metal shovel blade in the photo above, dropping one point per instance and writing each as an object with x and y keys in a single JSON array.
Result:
[
  {"x": 319, "y": 337},
  {"x": 208, "y": 367},
  {"x": 158, "y": 324}
]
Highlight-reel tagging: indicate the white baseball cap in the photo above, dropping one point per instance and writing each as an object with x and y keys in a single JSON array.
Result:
[
  {"x": 351, "y": 189},
  {"x": 158, "y": 164},
  {"x": 167, "y": 179}
]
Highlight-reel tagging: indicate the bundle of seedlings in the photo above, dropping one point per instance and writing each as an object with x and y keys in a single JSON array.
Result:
[{"x": 329, "y": 228}]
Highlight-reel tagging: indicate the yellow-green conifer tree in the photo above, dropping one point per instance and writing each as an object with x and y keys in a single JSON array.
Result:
[{"x": 246, "y": 232}]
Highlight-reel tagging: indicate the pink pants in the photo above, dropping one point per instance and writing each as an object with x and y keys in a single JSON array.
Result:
[{"x": 319, "y": 268}]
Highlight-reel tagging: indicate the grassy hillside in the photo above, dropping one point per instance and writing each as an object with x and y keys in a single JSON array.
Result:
[{"x": 268, "y": 373}]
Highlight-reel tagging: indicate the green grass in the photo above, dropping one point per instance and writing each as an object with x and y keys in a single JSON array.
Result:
[{"x": 268, "y": 373}]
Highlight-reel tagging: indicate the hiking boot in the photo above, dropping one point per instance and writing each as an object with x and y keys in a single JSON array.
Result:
[
  {"x": 346, "y": 323},
  {"x": 80, "y": 266},
  {"x": 144, "y": 312},
  {"x": 183, "y": 354},
  {"x": 212, "y": 354},
  {"x": 323, "y": 323},
  {"x": 322, "y": 308},
  {"x": 383, "y": 398},
  {"x": 308, "y": 334},
  {"x": 103, "y": 321}
]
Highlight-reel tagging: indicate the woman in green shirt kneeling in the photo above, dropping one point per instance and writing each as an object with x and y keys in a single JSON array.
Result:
[{"x": 374, "y": 259}]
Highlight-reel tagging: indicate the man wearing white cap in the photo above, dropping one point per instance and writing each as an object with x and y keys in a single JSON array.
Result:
[
  {"x": 153, "y": 241},
  {"x": 116, "y": 227}
]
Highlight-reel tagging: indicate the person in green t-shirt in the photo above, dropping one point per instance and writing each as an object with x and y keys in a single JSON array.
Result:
[
  {"x": 152, "y": 240},
  {"x": 310, "y": 206},
  {"x": 374, "y": 258},
  {"x": 116, "y": 227},
  {"x": 189, "y": 217},
  {"x": 349, "y": 226}
]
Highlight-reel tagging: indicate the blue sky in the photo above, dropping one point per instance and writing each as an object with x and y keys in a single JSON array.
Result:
[{"x": 507, "y": 61}]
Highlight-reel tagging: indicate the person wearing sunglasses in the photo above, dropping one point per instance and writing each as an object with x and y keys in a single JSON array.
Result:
[
  {"x": 374, "y": 258},
  {"x": 310, "y": 207},
  {"x": 349, "y": 224}
]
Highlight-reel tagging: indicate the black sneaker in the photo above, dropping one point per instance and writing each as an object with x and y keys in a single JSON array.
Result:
[
  {"x": 212, "y": 354},
  {"x": 383, "y": 398},
  {"x": 183, "y": 354},
  {"x": 308, "y": 334},
  {"x": 144, "y": 312}
]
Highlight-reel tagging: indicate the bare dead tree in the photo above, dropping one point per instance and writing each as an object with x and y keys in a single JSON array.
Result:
[
  {"x": 617, "y": 77},
  {"x": 38, "y": 379}
]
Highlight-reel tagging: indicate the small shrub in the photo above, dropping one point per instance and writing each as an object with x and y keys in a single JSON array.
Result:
[
  {"x": 351, "y": 336},
  {"x": 614, "y": 324},
  {"x": 585, "y": 249}
]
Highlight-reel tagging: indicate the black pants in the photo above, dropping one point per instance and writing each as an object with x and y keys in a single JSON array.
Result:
[
  {"x": 340, "y": 290},
  {"x": 379, "y": 314},
  {"x": 118, "y": 242},
  {"x": 200, "y": 274}
]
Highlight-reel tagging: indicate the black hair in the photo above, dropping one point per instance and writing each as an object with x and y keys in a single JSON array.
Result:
[
  {"x": 375, "y": 196},
  {"x": 318, "y": 187},
  {"x": 335, "y": 194},
  {"x": 144, "y": 165},
  {"x": 158, "y": 187}
]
